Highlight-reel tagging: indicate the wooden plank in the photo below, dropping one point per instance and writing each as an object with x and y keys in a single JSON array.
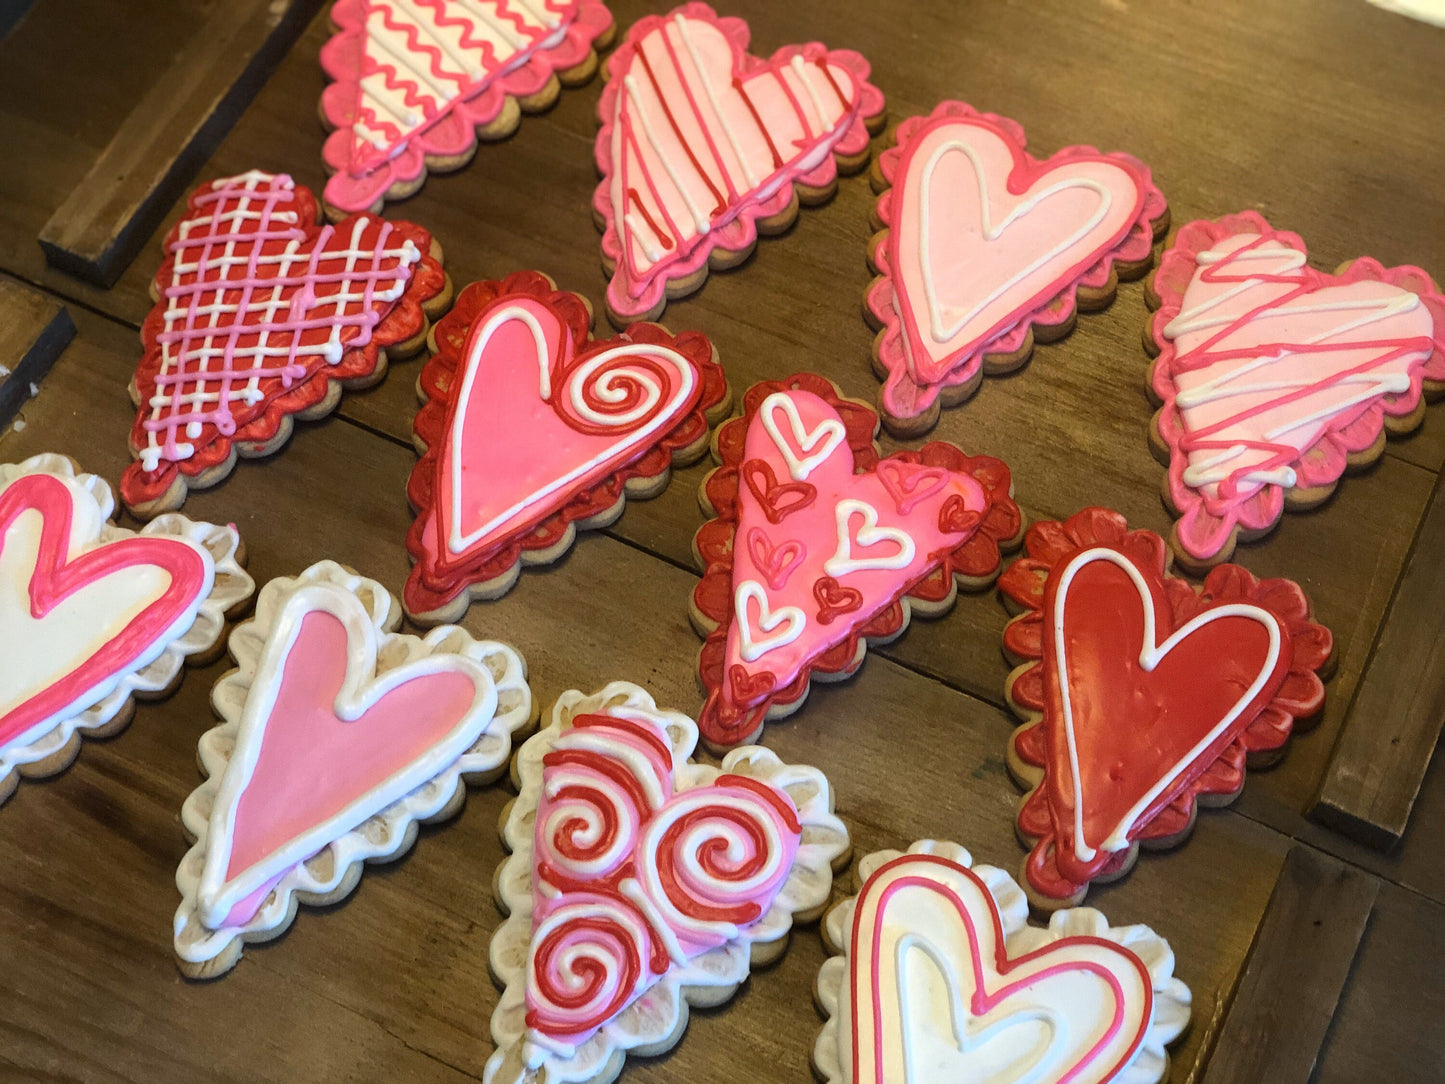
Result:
[
  {"x": 34, "y": 329},
  {"x": 102, "y": 224},
  {"x": 1379, "y": 762},
  {"x": 1297, "y": 967}
]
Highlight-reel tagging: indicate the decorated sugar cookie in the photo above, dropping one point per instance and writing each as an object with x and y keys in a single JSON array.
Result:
[
  {"x": 819, "y": 545},
  {"x": 703, "y": 145},
  {"x": 1141, "y": 694},
  {"x": 92, "y": 615},
  {"x": 641, "y": 883},
  {"x": 531, "y": 429},
  {"x": 939, "y": 978},
  {"x": 262, "y": 315},
  {"x": 1276, "y": 378},
  {"x": 338, "y": 737},
  {"x": 986, "y": 250},
  {"x": 417, "y": 81}
]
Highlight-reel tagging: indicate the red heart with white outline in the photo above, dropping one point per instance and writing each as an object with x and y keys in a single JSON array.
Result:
[{"x": 143, "y": 591}]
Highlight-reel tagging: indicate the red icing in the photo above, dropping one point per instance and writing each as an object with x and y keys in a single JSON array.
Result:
[
  {"x": 1132, "y": 727},
  {"x": 741, "y": 691},
  {"x": 55, "y": 578},
  {"x": 518, "y": 445}
]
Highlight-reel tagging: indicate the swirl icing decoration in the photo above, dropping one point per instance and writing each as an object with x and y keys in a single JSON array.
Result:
[
  {"x": 819, "y": 545},
  {"x": 338, "y": 736},
  {"x": 1140, "y": 693},
  {"x": 92, "y": 614},
  {"x": 939, "y": 978},
  {"x": 638, "y": 876},
  {"x": 415, "y": 80},
  {"x": 700, "y": 140},
  {"x": 986, "y": 249},
  {"x": 1275, "y": 377},
  {"x": 531, "y": 426},
  {"x": 260, "y": 310}
]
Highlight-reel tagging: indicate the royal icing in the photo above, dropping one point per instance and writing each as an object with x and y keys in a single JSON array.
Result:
[
  {"x": 332, "y": 723},
  {"x": 638, "y": 875},
  {"x": 1143, "y": 693},
  {"x": 414, "y": 79},
  {"x": 700, "y": 139},
  {"x": 1273, "y": 373},
  {"x": 90, "y": 613},
  {"x": 808, "y": 555},
  {"x": 984, "y": 241},
  {"x": 536, "y": 426},
  {"x": 259, "y": 308},
  {"x": 941, "y": 979}
]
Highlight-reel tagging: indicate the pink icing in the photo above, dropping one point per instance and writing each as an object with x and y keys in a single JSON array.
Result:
[
  {"x": 312, "y": 765},
  {"x": 57, "y": 575},
  {"x": 417, "y": 77},
  {"x": 630, "y": 871},
  {"x": 699, "y": 139},
  {"x": 1272, "y": 372},
  {"x": 964, "y": 276},
  {"x": 905, "y": 497},
  {"x": 513, "y": 455},
  {"x": 978, "y": 916}
]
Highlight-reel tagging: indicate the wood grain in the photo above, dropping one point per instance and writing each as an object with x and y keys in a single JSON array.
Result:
[
  {"x": 1297, "y": 967},
  {"x": 34, "y": 329},
  {"x": 101, "y": 225},
  {"x": 1372, "y": 779}
]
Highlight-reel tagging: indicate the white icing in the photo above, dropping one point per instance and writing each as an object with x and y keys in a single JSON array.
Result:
[
  {"x": 699, "y": 220},
  {"x": 869, "y": 534},
  {"x": 1149, "y": 656},
  {"x": 751, "y": 647},
  {"x": 816, "y": 445},
  {"x": 992, "y": 231},
  {"x": 684, "y": 33}
]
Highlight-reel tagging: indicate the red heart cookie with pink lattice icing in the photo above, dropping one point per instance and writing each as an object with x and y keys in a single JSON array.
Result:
[
  {"x": 532, "y": 429},
  {"x": 263, "y": 315},
  {"x": 820, "y": 545},
  {"x": 1142, "y": 694},
  {"x": 701, "y": 140},
  {"x": 641, "y": 881},
  {"x": 416, "y": 80},
  {"x": 986, "y": 247},
  {"x": 1276, "y": 377}
]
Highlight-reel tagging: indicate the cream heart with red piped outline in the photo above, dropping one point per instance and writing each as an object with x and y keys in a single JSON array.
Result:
[
  {"x": 942, "y": 979},
  {"x": 699, "y": 140}
]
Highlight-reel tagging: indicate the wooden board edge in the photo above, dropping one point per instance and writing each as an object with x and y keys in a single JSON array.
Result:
[
  {"x": 1274, "y": 1024},
  {"x": 54, "y": 330}
]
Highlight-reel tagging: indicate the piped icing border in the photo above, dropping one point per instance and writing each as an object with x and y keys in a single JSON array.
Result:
[
  {"x": 972, "y": 562},
  {"x": 706, "y": 204},
  {"x": 194, "y": 621},
  {"x": 320, "y": 308},
  {"x": 503, "y": 51},
  {"x": 654, "y": 1022},
  {"x": 443, "y": 581},
  {"x": 1043, "y": 753},
  {"x": 220, "y": 912},
  {"x": 914, "y": 380},
  {"x": 1081, "y": 938},
  {"x": 1214, "y": 509}
]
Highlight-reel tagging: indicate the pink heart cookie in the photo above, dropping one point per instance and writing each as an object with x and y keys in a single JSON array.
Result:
[
  {"x": 415, "y": 80},
  {"x": 862, "y": 534},
  {"x": 532, "y": 427},
  {"x": 641, "y": 881},
  {"x": 1275, "y": 377},
  {"x": 700, "y": 140},
  {"x": 986, "y": 245}
]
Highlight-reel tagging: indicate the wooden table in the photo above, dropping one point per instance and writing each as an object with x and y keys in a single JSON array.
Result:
[{"x": 1326, "y": 116}]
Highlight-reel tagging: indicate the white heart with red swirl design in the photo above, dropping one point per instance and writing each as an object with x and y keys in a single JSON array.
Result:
[{"x": 634, "y": 872}]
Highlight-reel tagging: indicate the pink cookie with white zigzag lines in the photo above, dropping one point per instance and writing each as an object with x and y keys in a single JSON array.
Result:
[
  {"x": 1276, "y": 378},
  {"x": 986, "y": 250},
  {"x": 703, "y": 146}
]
